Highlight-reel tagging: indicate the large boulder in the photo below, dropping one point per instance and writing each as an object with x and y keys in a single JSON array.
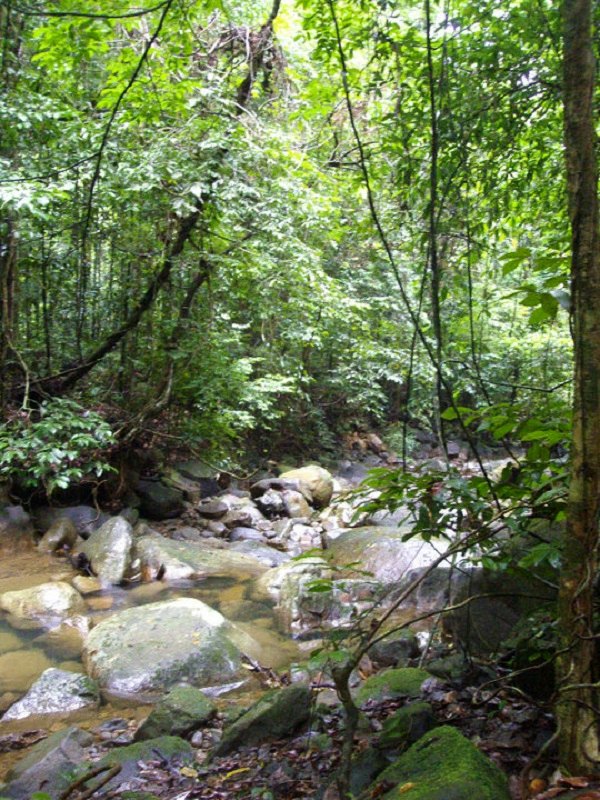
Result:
[
  {"x": 86, "y": 519},
  {"x": 442, "y": 765},
  {"x": 261, "y": 552},
  {"x": 109, "y": 551},
  {"x": 151, "y": 648},
  {"x": 181, "y": 711},
  {"x": 201, "y": 474},
  {"x": 158, "y": 501},
  {"x": 42, "y": 606},
  {"x": 276, "y": 714},
  {"x": 48, "y": 766},
  {"x": 315, "y": 480},
  {"x": 182, "y": 560},
  {"x": 56, "y": 691},
  {"x": 16, "y": 528}
]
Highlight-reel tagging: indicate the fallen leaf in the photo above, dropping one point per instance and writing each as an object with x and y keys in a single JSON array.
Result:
[
  {"x": 406, "y": 787},
  {"x": 188, "y": 772},
  {"x": 577, "y": 783}
]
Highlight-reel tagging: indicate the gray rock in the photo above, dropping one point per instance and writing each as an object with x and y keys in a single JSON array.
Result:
[
  {"x": 245, "y": 534},
  {"x": 85, "y": 518},
  {"x": 178, "y": 713},
  {"x": 153, "y": 647},
  {"x": 45, "y": 605},
  {"x": 295, "y": 505},
  {"x": 158, "y": 501},
  {"x": 188, "y": 488},
  {"x": 406, "y": 726},
  {"x": 213, "y": 509},
  {"x": 243, "y": 514},
  {"x": 109, "y": 551},
  {"x": 48, "y": 766},
  {"x": 181, "y": 560},
  {"x": 396, "y": 650},
  {"x": 187, "y": 534},
  {"x": 62, "y": 533},
  {"x": 278, "y": 484},
  {"x": 315, "y": 480},
  {"x": 201, "y": 474},
  {"x": 262, "y": 552},
  {"x": 16, "y": 528},
  {"x": 55, "y": 692},
  {"x": 271, "y": 504},
  {"x": 276, "y": 714}
]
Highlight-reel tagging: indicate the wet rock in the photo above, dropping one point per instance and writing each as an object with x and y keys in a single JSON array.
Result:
[
  {"x": 109, "y": 551},
  {"x": 278, "y": 713},
  {"x": 213, "y": 509},
  {"x": 443, "y": 764},
  {"x": 262, "y": 552},
  {"x": 86, "y": 584},
  {"x": 295, "y": 505},
  {"x": 85, "y": 518},
  {"x": 390, "y": 683},
  {"x": 48, "y": 766},
  {"x": 314, "y": 480},
  {"x": 154, "y": 647},
  {"x": 158, "y": 501},
  {"x": 178, "y": 713},
  {"x": 245, "y": 534},
  {"x": 45, "y": 605},
  {"x": 55, "y": 692},
  {"x": 180, "y": 560},
  {"x": 271, "y": 504},
  {"x": 62, "y": 533},
  {"x": 16, "y": 528},
  {"x": 203, "y": 475}
]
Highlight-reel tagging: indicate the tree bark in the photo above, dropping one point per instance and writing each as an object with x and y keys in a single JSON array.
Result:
[{"x": 577, "y": 704}]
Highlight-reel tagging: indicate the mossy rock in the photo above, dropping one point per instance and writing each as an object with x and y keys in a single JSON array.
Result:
[
  {"x": 406, "y": 726},
  {"x": 390, "y": 683},
  {"x": 180, "y": 712},
  {"x": 443, "y": 765},
  {"x": 276, "y": 714}
]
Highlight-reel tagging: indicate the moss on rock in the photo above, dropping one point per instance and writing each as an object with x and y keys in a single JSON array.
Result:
[{"x": 391, "y": 683}]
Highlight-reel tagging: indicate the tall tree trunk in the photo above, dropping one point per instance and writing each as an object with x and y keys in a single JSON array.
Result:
[{"x": 577, "y": 706}]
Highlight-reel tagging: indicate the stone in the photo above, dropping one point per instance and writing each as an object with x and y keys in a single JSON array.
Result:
[
  {"x": 86, "y": 584},
  {"x": 48, "y": 766},
  {"x": 66, "y": 640},
  {"x": 182, "y": 560},
  {"x": 294, "y": 504},
  {"x": 151, "y": 648},
  {"x": 314, "y": 480},
  {"x": 188, "y": 488},
  {"x": 262, "y": 552},
  {"x": 16, "y": 528},
  {"x": 62, "y": 533},
  {"x": 395, "y": 650},
  {"x": 108, "y": 551},
  {"x": 278, "y": 484},
  {"x": 85, "y": 518},
  {"x": 271, "y": 504},
  {"x": 56, "y": 692},
  {"x": 158, "y": 501},
  {"x": 45, "y": 605},
  {"x": 406, "y": 726},
  {"x": 391, "y": 683},
  {"x": 178, "y": 713},
  {"x": 201, "y": 474},
  {"x": 213, "y": 509},
  {"x": 442, "y": 765},
  {"x": 187, "y": 534},
  {"x": 245, "y": 534},
  {"x": 277, "y": 714},
  {"x": 244, "y": 515}
]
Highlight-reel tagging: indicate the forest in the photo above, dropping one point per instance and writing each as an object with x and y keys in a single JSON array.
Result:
[{"x": 299, "y": 359}]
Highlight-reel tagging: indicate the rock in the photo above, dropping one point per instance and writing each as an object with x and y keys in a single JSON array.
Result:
[
  {"x": 56, "y": 692},
  {"x": 66, "y": 641},
  {"x": 201, "y": 474},
  {"x": 442, "y": 765},
  {"x": 283, "y": 581},
  {"x": 187, "y": 534},
  {"x": 213, "y": 509},
  {"x": 9, "y": 641},
  {"x": 395, "y": 650},
  {"x": 62, "y": 533},
  {"x": 366, "y": 766},
  {"x": 19, "y": 669},
  {"x": 16, "y": 528},
  {"x": 217, "y": 528},
  {"x": 314, "y": 480},
  {"x": 45, "y": 605},
  {"x": 245, "y": 534},
  {"x": 295, "y": 505},
  {"x": 271, "y": 504},
  {"x": 180, "y": 560},
  {"x": 383, "y": 553},
  {"x": 109, "y": 551},
  {"x": 158, "y": 501},
  {"x": 244, "y": 515},
  {"x": 277, "y": 484},
  {"x": 406, "y": 726},
  {"x": 48, "y": 766},
  {"x": 262, "y": 552},
  {"x": 188, "y": 488},
  {"x": 169, "y": 751},
  {"x": 153, "y": 647},
  {"x": 85, "y": 518},
  {"x": 403, "y": 682},
  {"x": 85, "y": 584},
  {"x": 181, "y": 711},
  {"x": 276, "y": 714}
]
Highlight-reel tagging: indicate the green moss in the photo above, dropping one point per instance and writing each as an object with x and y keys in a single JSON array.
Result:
[
  {"x": 184, "y": 709},
  {"x": 444, "y": 765},
  {"x": 406, "y": 726},
  {"x": 392, "y": 683},
  {"x": 166, "y": 747}
]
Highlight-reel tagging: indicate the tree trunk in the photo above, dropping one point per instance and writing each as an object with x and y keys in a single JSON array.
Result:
[{"x": 577, "y": 706}]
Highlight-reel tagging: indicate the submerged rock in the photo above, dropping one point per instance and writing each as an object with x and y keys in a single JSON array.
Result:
[
  {"x": 442, "y": 765},
  {"x": 153, "y": 647},
  {"x": 44, "y": 605},
  {"x": 109, "y": 551},
  {"x": 56, "y": 691}
]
